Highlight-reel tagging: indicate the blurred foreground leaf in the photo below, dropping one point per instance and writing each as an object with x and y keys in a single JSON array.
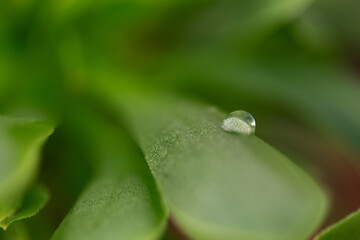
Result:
[
  {"x": 18, "y": 231},
  {"x": 20, "y": 144},
  {"x": 33, "y": 202}
]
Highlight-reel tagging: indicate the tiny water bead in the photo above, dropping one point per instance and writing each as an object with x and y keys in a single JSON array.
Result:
[{"x": 239, "y": 122}]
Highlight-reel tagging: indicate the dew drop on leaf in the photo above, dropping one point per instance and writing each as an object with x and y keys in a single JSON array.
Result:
[{"x": 239, "y": 122}]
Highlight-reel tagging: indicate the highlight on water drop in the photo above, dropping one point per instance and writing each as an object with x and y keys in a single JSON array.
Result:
[{"x": 239, "y": 122}]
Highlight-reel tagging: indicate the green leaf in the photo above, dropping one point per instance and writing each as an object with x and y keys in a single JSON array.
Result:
[
  {"x": 17, "y": 232},
  {"x": 346, "y": 229},
  {"x": 218, "y": 185},
  {"x": 33, "y": 202},
  {"x": 121, "y": 201},
  {"x": 20, "y": 143}
]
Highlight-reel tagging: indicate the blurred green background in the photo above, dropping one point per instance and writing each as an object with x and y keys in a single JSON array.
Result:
[{"x": 293, "y": 64}]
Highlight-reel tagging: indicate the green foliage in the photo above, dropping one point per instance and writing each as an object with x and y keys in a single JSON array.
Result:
[
  {"x": 330, "y": 88},
  {"x": 346, "y": 229},
  {"x": 214, "y": 182},
  {"x": 122, "y": 200},
  {"x": 34, "y": 200},
  {"x": 20, "y": 143},
  {"x": 139, "y": 89}
]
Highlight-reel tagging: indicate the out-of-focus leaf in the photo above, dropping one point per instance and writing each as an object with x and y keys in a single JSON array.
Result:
[
  {"x": 241, "y": 22},
  {"x": 33, "y": 202},
  {"x": 138, "y": 34},
  {"x": 339, "y": 18},
  {"x": 20, "y": 143},
  {"x": 218, "y": 185},
  {"x": 18, "y": 231},
  {"x": 346, "y": 229},
  {"x": 121, "y": 201},
  {"x": 319, "y": 91}
]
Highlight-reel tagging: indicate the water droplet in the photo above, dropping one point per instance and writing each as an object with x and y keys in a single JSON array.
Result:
[{"x": 239, "y": 122}]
